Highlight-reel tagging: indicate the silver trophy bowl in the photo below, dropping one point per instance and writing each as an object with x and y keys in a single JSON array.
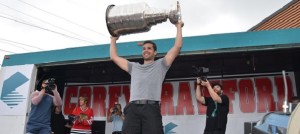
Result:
[{"x": 137, "y": 18}]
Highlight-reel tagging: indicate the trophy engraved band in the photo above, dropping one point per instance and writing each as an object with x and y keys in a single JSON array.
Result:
[{"x": 136, "y": 18}]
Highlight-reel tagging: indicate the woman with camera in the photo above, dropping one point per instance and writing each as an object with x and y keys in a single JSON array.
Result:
[
  {"x": 84, "y": 118},
  {"x": 116, "y": 117}
]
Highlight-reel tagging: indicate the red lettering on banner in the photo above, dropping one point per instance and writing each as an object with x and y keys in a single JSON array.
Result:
[
  {"x": 280, "y": 90},
  {"x": 126, "y": 92},
  {"x": 265, "y": 96},
  {"x": 167, "y": 104},
  {"x": 68, "y": 106},
  {"x": 256, "y": 94},
  {"x": 247, "y": 96},
  {"x": 184, "y": 99},
  {"x": 86, "y": 92},
  {"x": 99, "y": 106},
  {"x": 114, "y": 94},
  {"x": 230, "y": 88}
]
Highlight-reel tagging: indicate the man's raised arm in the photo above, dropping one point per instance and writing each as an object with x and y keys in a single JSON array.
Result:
[
  {"x": 121, "y": 62},
  {"x": 174, "y": 51}
]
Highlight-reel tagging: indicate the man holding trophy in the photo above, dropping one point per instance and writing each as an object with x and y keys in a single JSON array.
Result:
[{"x": 142, "y": 114}]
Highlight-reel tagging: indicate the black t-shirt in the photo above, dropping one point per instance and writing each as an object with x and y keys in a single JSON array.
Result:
[
  {"x": 216, "y": 113},
  {"x": 58, "y": 123}
]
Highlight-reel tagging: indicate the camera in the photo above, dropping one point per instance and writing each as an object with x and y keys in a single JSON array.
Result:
[
  {"x": 201, "y": 72},
  {"x": 51, "y": 85},
  {"x": 72, "y": 118},
  {"x": 115, "y": 109}
]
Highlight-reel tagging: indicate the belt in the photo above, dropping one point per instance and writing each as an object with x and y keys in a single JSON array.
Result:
[{"x": 144, "y": 102}]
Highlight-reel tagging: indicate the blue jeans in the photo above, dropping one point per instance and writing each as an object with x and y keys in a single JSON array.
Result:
[
  {"x": 34, "y": 128},
  {"x": 39, "y": 131}
]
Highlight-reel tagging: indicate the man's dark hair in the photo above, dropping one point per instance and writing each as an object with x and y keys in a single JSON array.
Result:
[
  {"x": 151, "y": 42},
  {"x": 217, "y": 84}
]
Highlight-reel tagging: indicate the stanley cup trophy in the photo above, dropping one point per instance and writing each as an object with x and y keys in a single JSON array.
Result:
[{"x": 137, "y": 18}]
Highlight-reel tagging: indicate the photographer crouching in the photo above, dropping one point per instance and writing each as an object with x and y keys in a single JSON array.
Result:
[
  {"x": 41, "y": 104},
  {"x": 116, "y": 117}
]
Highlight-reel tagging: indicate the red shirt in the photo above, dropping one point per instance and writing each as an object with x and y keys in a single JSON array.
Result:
[{"x": 86, "y": 124}]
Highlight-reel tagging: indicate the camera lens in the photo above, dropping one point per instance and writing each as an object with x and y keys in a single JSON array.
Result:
[{"x": 115, "y": 109}]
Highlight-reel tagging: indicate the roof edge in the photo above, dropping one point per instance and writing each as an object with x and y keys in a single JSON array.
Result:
[{"x": 272, "y": 15}]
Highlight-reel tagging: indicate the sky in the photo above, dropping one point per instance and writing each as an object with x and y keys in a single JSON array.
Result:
[{"x": 41, "y": 25}]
